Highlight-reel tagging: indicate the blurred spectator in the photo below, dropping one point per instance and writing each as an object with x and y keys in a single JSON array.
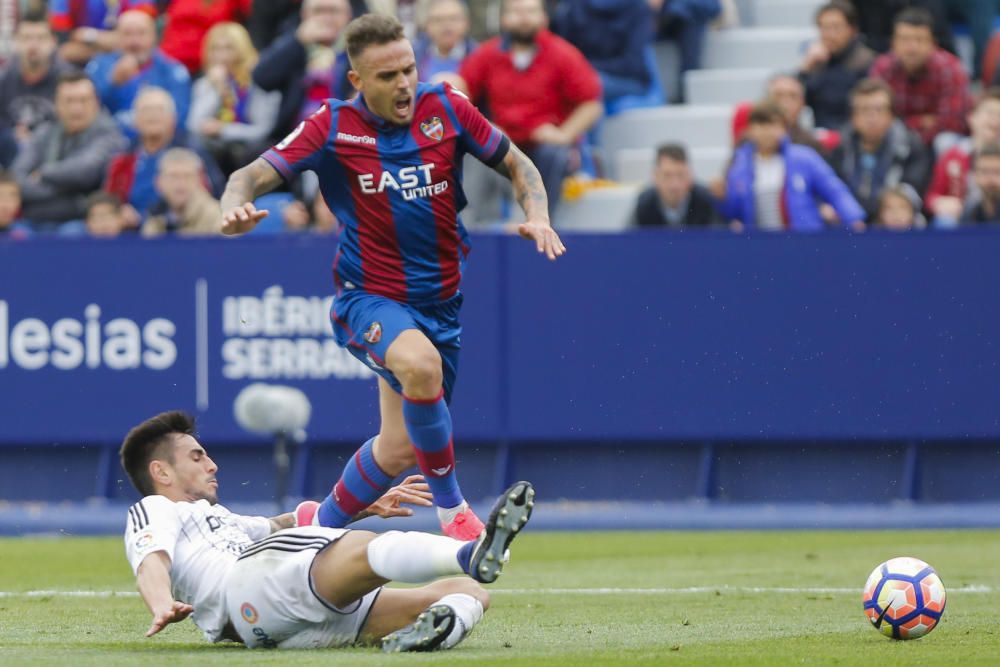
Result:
[
  {"x": 899, "y": 209},
  {"x": 28, "y": 85},
  {"x": 87, "y": 27},
  {"x": 446, "y": 44},
  {"x": 231, "y": 117},
  {"x": 187, "y": 23},
  {"x": 409, "y": 12},
  {"x": 950, "y": 182},
  {"x": 613, "y": 36},
  {"x": 979, "y": 16},
  {"x": 877, "y": 151},
  {"x": 306, "y": 65},
  {"x": 983, "y": 204},
  {"x": 119, "y": 75},
  {"x": 131, "y": 176},
  {"x": 788, "y": 93},
  {"x": 834, "y": 63},
  {"x": 11, "y": 226},
  {"x": 105, "y": 216},
  {"x": 685, "y": 21},
  {"x": 186, "y": 208},
  {"x": 271, "y": 18},
  {"x": 64, "y": 160},
  {"x": 539, "y": 89},
  {"x": 930, "y": 85},
  {"x": 675, "y": 200},
  {"x": 774, "y": 184},
  {"x": 876, "y": 17}
]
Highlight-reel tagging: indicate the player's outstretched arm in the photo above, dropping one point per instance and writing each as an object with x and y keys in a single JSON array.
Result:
[
  {"x": 411, "y": 491},
  {"x": 530, "y": 194},
  {"x": 153, "y": 582},
  {"x": 239, "y": 215}
]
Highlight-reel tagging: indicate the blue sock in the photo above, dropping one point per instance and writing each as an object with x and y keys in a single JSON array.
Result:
[
  {"x": 428, "y": 424},
  {"x": 361, "y": 484},
  {"x": 465, "y": 555}
]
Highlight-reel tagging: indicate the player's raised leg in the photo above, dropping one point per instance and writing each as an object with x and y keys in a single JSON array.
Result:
[{"x": 417, "y": 365}]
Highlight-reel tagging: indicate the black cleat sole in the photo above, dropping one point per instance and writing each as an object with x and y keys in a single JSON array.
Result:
[
  {"x": 425, "y": 634},
  {"x": 509, "y": 515}
]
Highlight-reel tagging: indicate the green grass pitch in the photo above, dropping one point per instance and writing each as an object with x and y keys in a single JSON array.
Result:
[{"x": 726, "y": 598}]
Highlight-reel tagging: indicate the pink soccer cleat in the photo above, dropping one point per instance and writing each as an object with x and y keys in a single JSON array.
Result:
[
  {"x": 466, "y": 526},
  {"x": 305, "y": 513}
]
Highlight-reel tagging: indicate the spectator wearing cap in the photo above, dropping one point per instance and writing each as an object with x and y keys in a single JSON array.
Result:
[
  {"x": 132, "y": 175},
  {"x": 539, "y": 88},
  {"x": 139, "y": 63},
  {"x": 899, "y": 209},
  {"x": 983, "y": 205},
  {"x": 675, "y": 200},
  {"x": 307, "y": 65},
  {"x": 950, "y": 183},
  {"x": 834, "y": 63},
  {"x": 877, "y": 150},
  {"x": 28, "y": 85},
  {"x": 929, "y": 85},
  {"x": 186, "y": 208},
  {"x": 65, "y": 159},
  {"x": 613, "y": 35},
  {"x": 230, "y": 115},
  {"x": 773, "y": 184}
]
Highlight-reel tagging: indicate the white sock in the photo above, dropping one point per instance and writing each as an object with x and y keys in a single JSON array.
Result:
[
  {"x": 414, "y": 558},
  {"x": 447, "y": 515},
  {"x": 468, "y": 612}
]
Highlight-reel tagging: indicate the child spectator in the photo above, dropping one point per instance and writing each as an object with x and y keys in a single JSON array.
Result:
[
  {"x": 984, "y": 205},
  {"x": 899, "y": 209},
  {"x": 105, "y": 218},
  {"x": 187, "y": 208},
  {"x": 230, "y": 115},
  {"x": 775, "y": 184},
  {"x": 10, "y": 208}
]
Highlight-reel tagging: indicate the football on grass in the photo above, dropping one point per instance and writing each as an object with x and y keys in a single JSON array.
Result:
[{"x": 904, "y": 598}]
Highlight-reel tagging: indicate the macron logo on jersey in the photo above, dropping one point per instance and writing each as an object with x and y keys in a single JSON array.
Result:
[{"x": 356, "y": 138}]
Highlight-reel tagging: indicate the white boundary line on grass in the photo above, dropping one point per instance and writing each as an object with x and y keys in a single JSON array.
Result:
[{"x": 551, "y": 591}]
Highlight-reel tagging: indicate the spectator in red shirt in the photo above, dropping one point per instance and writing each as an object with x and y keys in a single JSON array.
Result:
[
  {"x": 930, "y": 85},
  {"x": 538, "y": 89},
  {"x": 188, "y": 21},
  {"x": 950, "y": 182}
]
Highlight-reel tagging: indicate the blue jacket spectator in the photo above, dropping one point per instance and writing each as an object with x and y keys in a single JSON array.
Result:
[
  {"x": 775, "y": 184},
  {"x": 613, "y": 36},
  {"x": 118, "y": 76}
]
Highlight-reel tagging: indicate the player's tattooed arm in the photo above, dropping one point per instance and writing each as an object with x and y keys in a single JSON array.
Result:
[
  {"x": 239, "y": 215},
  {"x": 530, "y": 194},
  {"x": 282, "y": 521}
]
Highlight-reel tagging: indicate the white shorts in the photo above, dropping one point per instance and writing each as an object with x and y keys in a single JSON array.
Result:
[{"x": 271, "y": 599}]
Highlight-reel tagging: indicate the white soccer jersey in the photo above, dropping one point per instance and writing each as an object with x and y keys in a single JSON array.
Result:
[{"x": 203, "y": 542}]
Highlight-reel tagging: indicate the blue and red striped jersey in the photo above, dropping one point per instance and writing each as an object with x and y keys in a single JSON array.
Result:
[{"x": 396, "y": 190}]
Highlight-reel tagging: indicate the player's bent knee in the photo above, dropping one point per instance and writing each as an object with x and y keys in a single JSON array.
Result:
[{"x": 421, "y": 371}]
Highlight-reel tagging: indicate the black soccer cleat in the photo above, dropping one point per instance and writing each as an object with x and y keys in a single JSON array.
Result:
[
  {"x": 509, "y": 515},
  {"x": 432, "y": 627}
]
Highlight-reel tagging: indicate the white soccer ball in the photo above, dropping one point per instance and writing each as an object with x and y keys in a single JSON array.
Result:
[{"x": 904, "y": 598}]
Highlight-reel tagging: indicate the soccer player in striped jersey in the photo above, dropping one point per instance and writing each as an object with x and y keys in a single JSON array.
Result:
[
  {"x": 389, "y": 167},
  {"x": 269, "y": 583}
]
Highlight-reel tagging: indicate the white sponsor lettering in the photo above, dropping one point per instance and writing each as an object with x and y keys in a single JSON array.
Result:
[
  {"x": 119, "y": 344},
  {"x": 275, "y": 336},
  {"x": 356, "y": 138},
  {"x": 413, "y": 182}
]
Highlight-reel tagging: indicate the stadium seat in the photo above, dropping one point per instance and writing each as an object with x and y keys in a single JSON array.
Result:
[
  {"x": 785, "y": 13},
  {"x": 777, "y": 48},
  {"x": 725, "y": 86},
  {"x": 601, "y": 210},
  {"x": 694, "y": 125}
]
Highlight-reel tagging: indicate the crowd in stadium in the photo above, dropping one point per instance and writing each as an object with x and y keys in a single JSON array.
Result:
[{"x": 127, "y": 116}]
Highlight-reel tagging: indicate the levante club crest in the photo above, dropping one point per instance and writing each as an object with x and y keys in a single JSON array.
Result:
[{"x": 433, "y": 128}]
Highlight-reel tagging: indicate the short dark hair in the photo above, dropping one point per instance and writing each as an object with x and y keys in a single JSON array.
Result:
[
  {"x": 842, "y": 6},
  {"x": 915, "y": 16},
  {"x": 102, "y": 197},
  {"x": 34, "y": 16},
  {"x": 6, "y": 178},
  {"x": 371, "y": 30},
  {"x": 766, "y": 112},
  {"x": 871, "y": 86},
  {"x": 145, "y": 443},
  {"x": 73, "y": 76},
  {"x": 991, "y": 93},
  {"x": 989, "y": 150},
  {"x": 675, "y": 152}
]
